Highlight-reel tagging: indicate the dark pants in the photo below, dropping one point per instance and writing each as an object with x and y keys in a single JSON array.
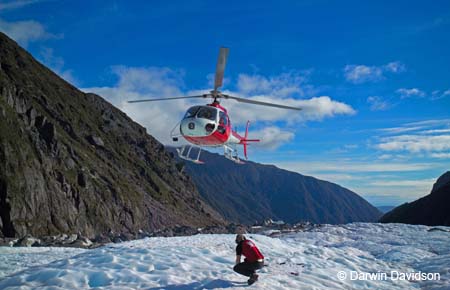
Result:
[{"x": 247, "y": 269}]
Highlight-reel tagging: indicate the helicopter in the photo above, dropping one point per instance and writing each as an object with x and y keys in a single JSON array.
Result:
[{"x": 209, "y": 125}]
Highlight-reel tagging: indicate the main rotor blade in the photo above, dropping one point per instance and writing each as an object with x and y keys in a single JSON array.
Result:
[
  {"x": 260, "y": 103},
  {"x": 220, "y": 68},
  {"x": 167, "y": 99}
]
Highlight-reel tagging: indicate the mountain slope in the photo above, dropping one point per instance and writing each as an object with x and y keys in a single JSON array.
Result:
[
  {"x": 70, "y": 162},
  {"x": 253, "y": 192},
  {"x": 433, "y": 209}
]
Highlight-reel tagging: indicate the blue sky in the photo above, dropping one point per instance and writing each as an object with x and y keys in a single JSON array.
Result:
[{"x": 372, "y": 76}]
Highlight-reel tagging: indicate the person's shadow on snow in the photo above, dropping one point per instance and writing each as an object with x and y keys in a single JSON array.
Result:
[{"x": 218, "y": 283}]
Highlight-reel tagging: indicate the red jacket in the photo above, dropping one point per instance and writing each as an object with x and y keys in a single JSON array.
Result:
[{"x": 250, "y": 251}]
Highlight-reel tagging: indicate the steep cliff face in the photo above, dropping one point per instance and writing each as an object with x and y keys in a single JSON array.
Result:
[
  {"x": 70, "y": 162},
  {"x": 430, "y": 210},
  {"x": 253, "y": 192}
]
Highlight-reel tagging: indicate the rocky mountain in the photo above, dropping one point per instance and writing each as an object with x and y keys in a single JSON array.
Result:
[
  {"x": 253, "y": 192},
  {"x": 70, "y": 162},
  {"x": 443, "y": 180},
  {"x": 431, "y": 210}
]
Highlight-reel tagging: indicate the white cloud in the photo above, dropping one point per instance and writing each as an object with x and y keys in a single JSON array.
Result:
[
  {"x": 25, "y": 31},
  {"x": 435, "y": 23},
  {"x": 435, "y": 122},
  {"x": 415, "y": 143},
  {"x": 56, "y": 64},
  {"x": 348, "y": 166},
  {"x": 422, "y": 138},
  {"x": 351, "y": 146},
  {"x": 153, "y": 81},
  {"x": 343, "y": 149},
  {"x": 437, "y": 95},
  {"x": 161, "y": 117},
  {"x": 336, "y": 177},
  {"x": 441, "y": 155},
  {"x": 16, "y": 4},
  {"x": 435, "y": 131},
  {"x": 283, "y": 85},
  {"x": 320, "y": 107},
  {"x": 145, "y": 83},
  {"x": 396, "y": 130},
  {"x": 408, "y": 93},
  {"x": 271, "y": 137},
  {"x": 358, "y": 74},
  {"x": 392, "y": 195},
  {"x": 385, "y": 156},
  {"x": 378, "y": 104},
  {"x": 314, "y": 109},
  {"x": 395, "y": 67},
  {"x": 403, "y": 189},
  {"x": 361, "y": 73},
  {"x": 420, "y": 127},
  {"x": 424, "y": 183}
]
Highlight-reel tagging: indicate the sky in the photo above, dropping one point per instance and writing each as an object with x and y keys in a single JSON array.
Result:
[{"x": 372, "y": 77}]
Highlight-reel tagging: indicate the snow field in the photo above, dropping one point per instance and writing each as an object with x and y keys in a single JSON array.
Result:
[{"x": 306, "y": 260}]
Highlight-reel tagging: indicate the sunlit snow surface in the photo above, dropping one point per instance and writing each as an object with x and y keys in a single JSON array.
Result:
[{"x": 306, "y": 260}]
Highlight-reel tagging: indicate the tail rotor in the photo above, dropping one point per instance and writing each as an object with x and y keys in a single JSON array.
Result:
[{"x": 244, "y": 141}]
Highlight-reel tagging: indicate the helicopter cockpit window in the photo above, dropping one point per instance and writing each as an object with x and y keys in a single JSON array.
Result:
[
  {"x": 207, "y": 113},
  {"x": 223, "y": 120},
  {"x": 191, "y": 112}
]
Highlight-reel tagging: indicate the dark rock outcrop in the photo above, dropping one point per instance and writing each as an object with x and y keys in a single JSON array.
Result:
[
  {"x": 430, "y": 210},
  {"x": 443, "y": 180},
  {"x": 252, "y": 192},
  {"x": 71, "y": 162}
]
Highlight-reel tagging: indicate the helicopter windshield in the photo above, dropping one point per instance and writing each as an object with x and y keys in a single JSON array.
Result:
[
  {"x": 209, "y": 113},
  {"x": 191, "y": 112}
]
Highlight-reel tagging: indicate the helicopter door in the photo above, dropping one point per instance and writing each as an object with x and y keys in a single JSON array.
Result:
[{"x": 223, "y": 122}]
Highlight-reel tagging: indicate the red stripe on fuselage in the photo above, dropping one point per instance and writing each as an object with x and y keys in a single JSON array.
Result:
[{"x": 215, "y": 139}]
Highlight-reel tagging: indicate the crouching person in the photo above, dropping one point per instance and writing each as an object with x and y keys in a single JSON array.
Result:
[{"x": 253, "y": 261}]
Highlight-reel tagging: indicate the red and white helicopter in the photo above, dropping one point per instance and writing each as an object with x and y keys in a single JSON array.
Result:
[{"x": 209, "y": 125}]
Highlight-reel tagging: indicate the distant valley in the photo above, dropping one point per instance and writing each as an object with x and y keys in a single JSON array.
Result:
[
  {"x": 431, "y": 210},
  {"x": 385, "y": 208}
]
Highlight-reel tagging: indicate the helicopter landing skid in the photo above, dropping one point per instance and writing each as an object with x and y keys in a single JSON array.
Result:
[
  {"x": 185, "y": 153},
  {"x": 231, "y": 153}
]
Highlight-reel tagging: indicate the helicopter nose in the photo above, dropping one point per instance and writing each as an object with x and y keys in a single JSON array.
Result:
[{"x": 196, "y": 127}]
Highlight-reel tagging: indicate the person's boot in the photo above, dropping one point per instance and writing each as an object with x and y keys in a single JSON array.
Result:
[{"x": 253, "y": 279}]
